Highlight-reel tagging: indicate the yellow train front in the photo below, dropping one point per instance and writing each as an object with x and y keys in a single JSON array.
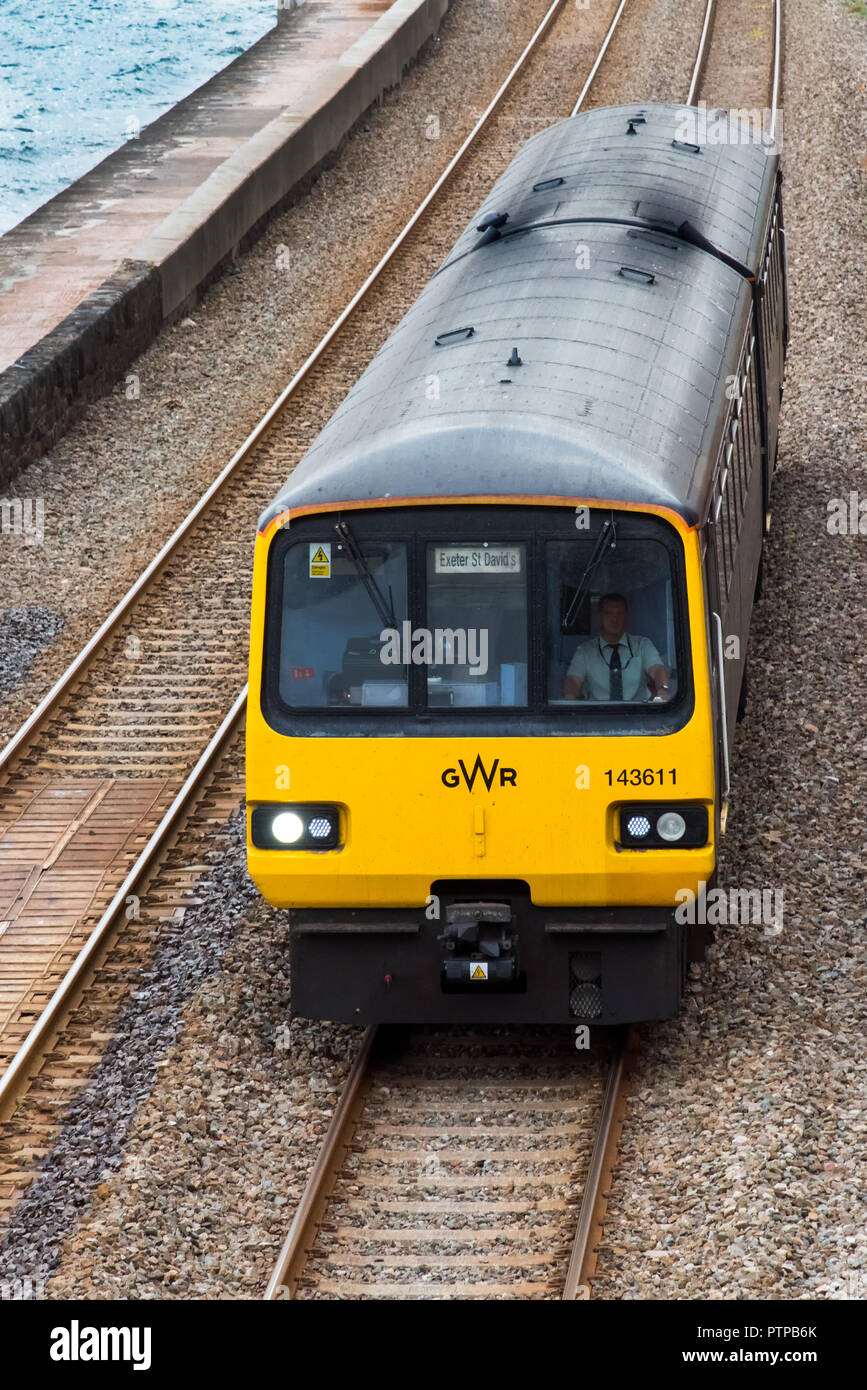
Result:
[{"x": 501, "y": 609}]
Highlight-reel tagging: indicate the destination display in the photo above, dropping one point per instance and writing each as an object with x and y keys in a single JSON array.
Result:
[{"x": 477, "y": 559}]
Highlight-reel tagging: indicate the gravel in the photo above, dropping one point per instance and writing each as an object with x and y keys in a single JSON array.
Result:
[
  {"x": 652, "y": 53},
  {"x": 24, "y": 633}
]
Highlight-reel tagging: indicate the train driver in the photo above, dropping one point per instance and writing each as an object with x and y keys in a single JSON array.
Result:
[{"x": 616, "y": 665}]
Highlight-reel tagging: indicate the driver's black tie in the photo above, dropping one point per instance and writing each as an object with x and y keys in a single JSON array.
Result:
[{"x": 615, "y": 676}]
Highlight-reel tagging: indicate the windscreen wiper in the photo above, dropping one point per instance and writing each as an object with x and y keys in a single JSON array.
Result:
[
  {"x": 606, "y": 540},
  {"x": 384, "y": 606}
]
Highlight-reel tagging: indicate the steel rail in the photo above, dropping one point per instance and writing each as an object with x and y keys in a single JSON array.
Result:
[
  {"x": 47, "y": 706},
  {"x": 594, "y": 1199},
  {"x": 46, "y": 1027},
  {"x": 296, "y": 1247},
  {"x": 600, "y": 55},
  {"x": 702, "y": 51},
  {"x": 777, "y": 67}
]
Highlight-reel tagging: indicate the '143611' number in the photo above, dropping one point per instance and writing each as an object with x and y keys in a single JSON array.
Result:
[{"x": 641, "y": 777}]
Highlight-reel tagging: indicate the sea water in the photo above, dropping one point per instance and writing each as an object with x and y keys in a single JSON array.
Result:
[{"x": 80, "y": 77}]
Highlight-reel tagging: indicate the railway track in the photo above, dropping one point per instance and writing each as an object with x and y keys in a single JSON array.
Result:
[
  {"x": 117, "y": 761},
  {"x": 744, "y": 38},
  {"x": 461, "y": 1164},
  {"x": 95, "y": 1008}
]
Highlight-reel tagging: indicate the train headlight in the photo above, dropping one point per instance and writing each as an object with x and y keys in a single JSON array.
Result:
[
  {"x": 287, "y": 827},
  {"x": 648, "y": 826},
  {"x": 671, "y": 826},
  {"x": 638, "y": 827},
  {"x": 295, "y": 827}
]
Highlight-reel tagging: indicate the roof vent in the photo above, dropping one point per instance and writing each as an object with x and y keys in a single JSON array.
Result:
[
  {"x": 685, "y": 147},
  {"x": 631, "y": 272},
  {"x": 547, "y": 184},
  {"x": 633, "y": 122},
  {"x": 515, "y": 360},
  {"x": 455, "y": 335}
]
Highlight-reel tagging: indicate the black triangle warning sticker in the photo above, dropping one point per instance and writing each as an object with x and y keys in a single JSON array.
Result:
[{"x": 320, "y": 558}]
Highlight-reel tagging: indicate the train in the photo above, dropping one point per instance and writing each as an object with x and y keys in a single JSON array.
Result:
[{"x": 501, "y": 608}]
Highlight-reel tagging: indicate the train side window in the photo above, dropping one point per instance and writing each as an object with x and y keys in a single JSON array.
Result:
[
  {"x": 747, "y": 423},
  {"x": 729, "y": 539},
  {"x": 736, "y": 471},
  {"x": 746, "y": 439},
  {"x": 767, "y": 315},
  {"x": 777, "y": 268},
  {"x": 731, "y": 508},
  {"x": 742, "y": 452},
  {"x": 718, "y": 549},
  {"x": 773, "y": 287},
  {"x": 769, "y": 280},
  {"x": 722, "y": 537},
  {"x": 734, "y": 479},
  {"x": 753, "y": 401}
]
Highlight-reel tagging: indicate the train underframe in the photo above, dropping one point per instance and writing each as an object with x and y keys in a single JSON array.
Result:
[{"x": 484, "y": 953}]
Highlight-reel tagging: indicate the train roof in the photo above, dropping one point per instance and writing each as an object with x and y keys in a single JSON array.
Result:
[{"x": 614, "y": 263}]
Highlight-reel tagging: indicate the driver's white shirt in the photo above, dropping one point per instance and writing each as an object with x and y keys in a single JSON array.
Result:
[{"x": 590, "y": 666}]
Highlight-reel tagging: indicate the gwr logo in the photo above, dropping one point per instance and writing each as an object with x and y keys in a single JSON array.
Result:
[{"x": 508, "y": 775}]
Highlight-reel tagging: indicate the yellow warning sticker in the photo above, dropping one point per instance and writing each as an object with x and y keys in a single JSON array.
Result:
[
  {"x": 479, "y": 970},
  {"x": 320, "y": 560}
]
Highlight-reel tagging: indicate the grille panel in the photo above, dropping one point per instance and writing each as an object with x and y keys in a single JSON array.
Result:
[{"x": 585, "y": 984}]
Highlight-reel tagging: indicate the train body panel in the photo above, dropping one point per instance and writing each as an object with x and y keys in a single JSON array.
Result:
[
  {"x": 410, "y": 805},
  {"x": 551, "y": 823}
]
